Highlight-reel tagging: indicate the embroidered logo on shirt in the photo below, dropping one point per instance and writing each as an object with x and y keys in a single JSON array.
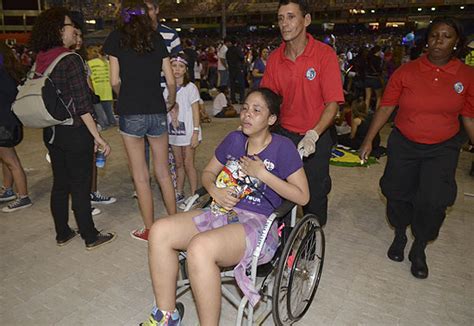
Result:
[
  {"x": 310, "y": 74},
  {"x": 458, "y": 87}
]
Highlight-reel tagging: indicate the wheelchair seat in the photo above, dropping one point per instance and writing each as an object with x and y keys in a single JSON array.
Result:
[{"x": 288, "y": 283}]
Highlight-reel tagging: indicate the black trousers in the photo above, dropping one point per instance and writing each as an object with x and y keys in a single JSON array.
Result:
[
  {"x": 237, "y": 85},
  {"x": 71, "y": 156},
  {"x": 419, "y": 183},
  {"x": 316, "y": 167}
]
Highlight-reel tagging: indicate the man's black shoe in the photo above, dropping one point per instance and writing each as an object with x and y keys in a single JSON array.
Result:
[
  {"x": 417, "y": 256},
  {"x": 397, "y": 248}
]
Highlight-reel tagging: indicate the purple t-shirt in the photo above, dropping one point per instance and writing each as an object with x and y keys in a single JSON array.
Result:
[{"x": 280, "y": 158}]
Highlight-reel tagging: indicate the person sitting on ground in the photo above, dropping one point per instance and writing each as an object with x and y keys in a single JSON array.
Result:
[
  {"x": 203, "y": 116},
  {"x": 359, "y": 127},
  {"x": 221, "y": 107},
  {"x": 268, "y": 169}
]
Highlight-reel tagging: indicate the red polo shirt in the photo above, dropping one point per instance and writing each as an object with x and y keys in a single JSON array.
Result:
[
  {"x": 306, "y": 85},
  {"x": 430, "y": 99}
]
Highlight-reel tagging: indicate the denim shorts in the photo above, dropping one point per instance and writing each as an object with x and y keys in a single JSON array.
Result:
[{"x": 141, "y": 125}]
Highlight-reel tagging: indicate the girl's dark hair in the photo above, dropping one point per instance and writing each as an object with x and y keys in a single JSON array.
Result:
[
  {"x": 10, "y": 63},
  {"x": 455, "y": 25},
  {"x": 137, "y": 30},
  {"x": 46, "y": 33},
  {"x": 186, "y": 79},
  {"x": 272, "y": 99}
]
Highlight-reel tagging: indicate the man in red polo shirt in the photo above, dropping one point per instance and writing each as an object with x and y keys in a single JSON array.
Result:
[{"x": 305, "y": 73}]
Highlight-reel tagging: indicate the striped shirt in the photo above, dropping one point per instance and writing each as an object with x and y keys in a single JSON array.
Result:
[{"x": 173, "y": 44}]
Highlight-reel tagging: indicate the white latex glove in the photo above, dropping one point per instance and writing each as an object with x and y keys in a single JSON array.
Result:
[{"x": 307, "y": 145}]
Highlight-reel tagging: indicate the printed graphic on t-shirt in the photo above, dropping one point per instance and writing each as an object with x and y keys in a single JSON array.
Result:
[
  {"x": 177, "y": 128},
  {"x": 243, "y": 186}
]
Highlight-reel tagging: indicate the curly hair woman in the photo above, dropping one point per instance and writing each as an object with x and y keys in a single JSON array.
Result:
[
  {"x": 70, "y": 147},
  {"x": 137, "y": 55}
]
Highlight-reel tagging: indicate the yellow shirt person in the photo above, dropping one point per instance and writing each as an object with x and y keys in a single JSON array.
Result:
[{"x": 100, "y": 78}]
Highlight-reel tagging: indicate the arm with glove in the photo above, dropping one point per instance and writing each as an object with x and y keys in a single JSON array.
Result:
[{"x": 307, "y": 145}]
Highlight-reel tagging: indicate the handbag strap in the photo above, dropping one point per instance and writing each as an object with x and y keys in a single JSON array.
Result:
[{"x": 53, "y": 64}]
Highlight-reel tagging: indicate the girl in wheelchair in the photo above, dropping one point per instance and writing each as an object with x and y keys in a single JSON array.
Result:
[{"x": 250, "y": 173}]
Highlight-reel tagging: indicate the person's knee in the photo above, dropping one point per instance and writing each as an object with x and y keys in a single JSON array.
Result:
[
  {"x": 200, "y": 251},
  {"x": 160, "y": 230}
]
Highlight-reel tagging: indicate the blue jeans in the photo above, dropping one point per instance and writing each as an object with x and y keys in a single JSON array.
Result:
[{"x": 107, "y": 106}]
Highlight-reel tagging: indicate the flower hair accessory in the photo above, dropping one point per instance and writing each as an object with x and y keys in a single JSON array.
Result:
[
  {"x": 127, "y": 14},
  {"x": 179, "y": 59}
]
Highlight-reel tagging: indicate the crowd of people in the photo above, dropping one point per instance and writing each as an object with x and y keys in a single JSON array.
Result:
[{"x": 300, "y": 97}]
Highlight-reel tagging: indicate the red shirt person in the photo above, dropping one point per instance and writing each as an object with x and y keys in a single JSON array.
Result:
[
  {"x": 419, "y": 183},
  {"x": 305, "y": 72}
]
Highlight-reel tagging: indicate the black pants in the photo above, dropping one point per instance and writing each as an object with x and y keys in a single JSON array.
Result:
[
  {"x": 71, "y": 156},
  {"x": 419, "y": 183},
  {"x": 237, "y": 85},
  {"x": 316, "y": 167}
]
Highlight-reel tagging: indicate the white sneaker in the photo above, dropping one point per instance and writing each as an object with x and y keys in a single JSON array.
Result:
[{"x": 95, "y": 211}]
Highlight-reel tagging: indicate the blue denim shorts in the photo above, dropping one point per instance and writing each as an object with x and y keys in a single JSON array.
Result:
[{"x": 141, "y": 125}]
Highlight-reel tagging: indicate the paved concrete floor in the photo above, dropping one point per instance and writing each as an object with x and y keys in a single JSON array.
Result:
[{"x": 42, "y": 284}]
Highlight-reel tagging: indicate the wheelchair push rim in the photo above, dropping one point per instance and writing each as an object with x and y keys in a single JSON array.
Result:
[{"x": 299, "y": 271}]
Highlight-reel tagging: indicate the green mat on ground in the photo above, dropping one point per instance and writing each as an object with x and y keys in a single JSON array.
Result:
[{"x": 349, "y": 158}]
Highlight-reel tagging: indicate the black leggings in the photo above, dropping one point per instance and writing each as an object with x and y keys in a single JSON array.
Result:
[{"x": 71, "y": 156}]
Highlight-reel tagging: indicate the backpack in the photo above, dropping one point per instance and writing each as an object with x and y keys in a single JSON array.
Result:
[{"x": 39, "y": 104}]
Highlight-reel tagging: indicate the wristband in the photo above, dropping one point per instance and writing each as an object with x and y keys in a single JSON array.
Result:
[{"x": 196, "y": 129}]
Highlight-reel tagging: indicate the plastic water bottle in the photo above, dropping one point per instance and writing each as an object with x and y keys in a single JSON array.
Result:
[{"x": 99, "y": 159}]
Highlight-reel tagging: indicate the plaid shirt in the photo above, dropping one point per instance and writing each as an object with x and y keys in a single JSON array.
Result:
[{"x": 70, "y": 77}]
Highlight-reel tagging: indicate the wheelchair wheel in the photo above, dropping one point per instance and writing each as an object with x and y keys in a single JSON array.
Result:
[{"x": 299, "y": 271}]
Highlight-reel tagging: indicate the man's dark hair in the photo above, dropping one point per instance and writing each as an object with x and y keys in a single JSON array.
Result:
[
  {"x": 137, "y": 31},
  {"x": 303, "y": 4},
  {"x": 46, "y": 33},
  {"x": 457, "y": 28}
]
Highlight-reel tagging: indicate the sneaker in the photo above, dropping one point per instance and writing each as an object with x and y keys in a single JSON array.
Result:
[
  {"x": 19, "y": 203},
  {"x": 64, "y": 242},
  {"x": 95, "y": 211},
  {"x": 157, "y": 318},
  {"x": 179, "y": 197},
  {"x": 140, "y": 234},
  {"x": 7, "y": 194},
  {"x": 185, "y": 203},
  {"x": 98, "y": 198},
  {"x": 102, "y": 239}
]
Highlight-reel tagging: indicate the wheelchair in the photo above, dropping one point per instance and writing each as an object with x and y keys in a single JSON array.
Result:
[{"x": 288, "y": 283}]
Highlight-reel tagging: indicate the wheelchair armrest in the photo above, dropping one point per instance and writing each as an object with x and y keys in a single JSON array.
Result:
[{"x": 285, "y": 207}]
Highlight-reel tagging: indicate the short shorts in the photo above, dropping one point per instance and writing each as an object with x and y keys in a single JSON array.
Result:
[{"x": 141, "y": 125}]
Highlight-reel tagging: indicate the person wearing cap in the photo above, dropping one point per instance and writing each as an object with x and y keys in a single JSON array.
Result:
[
  {"x": 305, "y": 72},
  {"x": 432, "y": 93}
]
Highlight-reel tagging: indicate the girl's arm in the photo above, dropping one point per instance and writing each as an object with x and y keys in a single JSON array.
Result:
[
  {"x": 98, "y": 140},
  {"x": 354, "y": 125},
  {"x": 222, "y": 196},
  {"x": 295, "y": 188},
  {"x": 170, "y": 83},
  {"x": 114, "y": 74},
  {"x": 196, "y": 121}
]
